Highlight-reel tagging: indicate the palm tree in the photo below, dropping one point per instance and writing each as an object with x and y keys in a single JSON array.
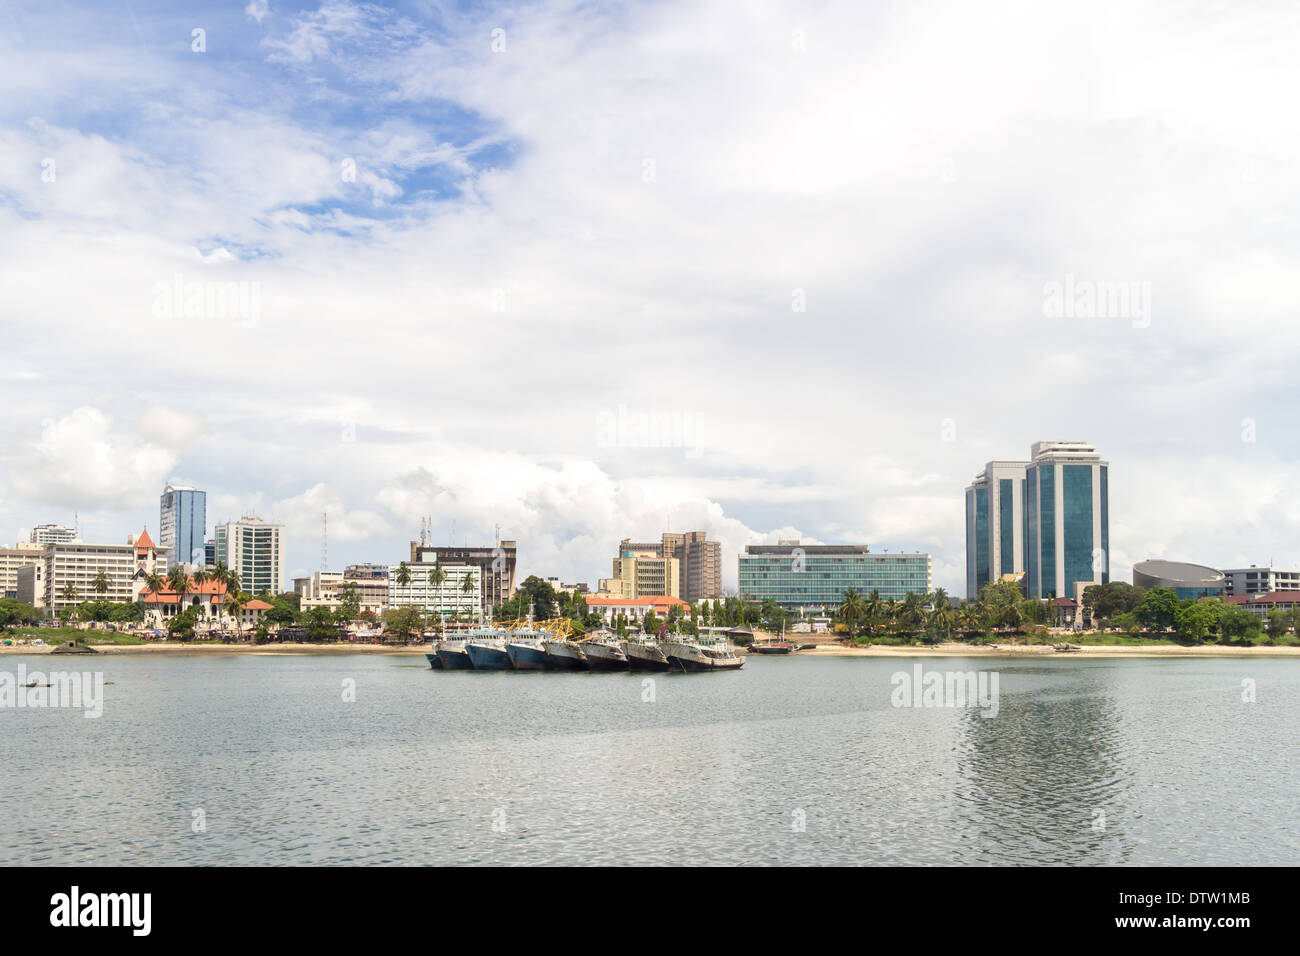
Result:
[
  {"x": 912, "y": 614},
  {"x": 68, "y": 592},
  {"x": 235, "y": 601},
  {"x": 466, "y": 586},
  {"x": 100, "y": 584},
  {"x": 200, "y": 578},
  {"x": 874, "y": 607},
  {"x": 179, "y": 581},
  {"x": 403, "y": 576},
  {"x": 852, "y": 608},
  {"x": 437, "y": 577},
  {"x": 942, "y": 616}
]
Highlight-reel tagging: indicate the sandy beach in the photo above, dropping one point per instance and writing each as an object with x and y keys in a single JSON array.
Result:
[
  {"x": 163, "y": 647},
  {"x": 1047, "y": 650}
]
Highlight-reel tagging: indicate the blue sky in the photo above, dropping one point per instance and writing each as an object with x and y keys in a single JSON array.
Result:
[{"x": 814, "y": 239}]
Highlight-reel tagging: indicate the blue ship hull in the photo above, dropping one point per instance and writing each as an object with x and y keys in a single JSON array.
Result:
[
  {"x": 488, "y": 657},
  {"x": 454, "y": 660},
  {"x": 525, "y": 657},
  {"x": 433, "y": 660}
]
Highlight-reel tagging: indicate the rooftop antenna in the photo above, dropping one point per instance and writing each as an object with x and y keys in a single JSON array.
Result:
[{"x": 324, "y": 540}]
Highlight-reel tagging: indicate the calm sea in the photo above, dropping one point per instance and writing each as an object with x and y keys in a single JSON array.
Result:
[{"x": 263, "y": 760}]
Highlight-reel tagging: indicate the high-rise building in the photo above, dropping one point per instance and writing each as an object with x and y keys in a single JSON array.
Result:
[
  {"x": 815, "y": 576},
  {"x": 496, "y": 564},
  {"x": 1067, "y": 519},
  {"x": 254, "y": 550},
  {"x": 182, "y": 526},
  {"x": 1046, "y": 519},
  {"x": 642, "y": 570},
  {"x": 699, "y": 562},
  {"x": 995, "y": 520},
  {"x": 683, "y": 565},
  {"x": 53, "y": 534}
]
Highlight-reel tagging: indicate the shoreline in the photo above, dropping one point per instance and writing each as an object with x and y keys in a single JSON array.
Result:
[{"x": 950, "y": 649}]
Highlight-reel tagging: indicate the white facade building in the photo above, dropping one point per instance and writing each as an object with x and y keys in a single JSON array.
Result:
[
  {"x": 1253, "y": 580},
  {"x": 450, "y": 598},
  {"x": 254, "y": 550}
]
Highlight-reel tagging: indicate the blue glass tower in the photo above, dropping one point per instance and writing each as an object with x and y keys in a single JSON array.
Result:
[{"x": 182, "y": 526}]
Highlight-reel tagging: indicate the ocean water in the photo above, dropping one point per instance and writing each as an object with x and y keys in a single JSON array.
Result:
[{"x": 232, "y": 759}]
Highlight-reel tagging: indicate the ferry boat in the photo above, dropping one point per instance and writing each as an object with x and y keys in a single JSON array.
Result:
[{"x": 693, "y": 656}]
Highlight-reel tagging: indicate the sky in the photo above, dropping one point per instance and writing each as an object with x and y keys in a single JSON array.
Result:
[{"x": 574, "y": 272}]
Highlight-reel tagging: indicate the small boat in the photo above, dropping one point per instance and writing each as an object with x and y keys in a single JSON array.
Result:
[
  {"x": 771, "y": 647},
  {"x": 689, "y": 656},
  {"x": 645, "y": 656},
  {"x": 604, "y": 655}
]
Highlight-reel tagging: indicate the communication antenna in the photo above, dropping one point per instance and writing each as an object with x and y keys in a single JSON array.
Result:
[{"x": 324, "y": 540}]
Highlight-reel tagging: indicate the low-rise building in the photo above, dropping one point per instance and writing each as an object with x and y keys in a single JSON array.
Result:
[
  {"x": 1262, "y": 605},
  {"x": 806, "y": 576},
  {"x": 329, "y": 588},
  {"x": 1256, "y": 580},
  {"x": 1188, "y": 581},
  {"x": 21, "y": 555},
  {"x": 634, "y": 610}
]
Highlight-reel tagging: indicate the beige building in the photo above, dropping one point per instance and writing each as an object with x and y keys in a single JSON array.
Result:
[
  {"x": 326, "y": 589},
  {"x": 685, "y": 565},
  {"x": 11, "y": 559},
  {"x": 641, "y": 570},
  {"x": 254, "y": 550},
  {"x": 450, "y": 598}
]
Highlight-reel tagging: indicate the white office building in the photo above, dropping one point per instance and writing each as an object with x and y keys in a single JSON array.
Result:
[
  {"x": 254, "y": 550},
  {"x": 450, "y": 598},
  {"x": 1255, "y": 580}
]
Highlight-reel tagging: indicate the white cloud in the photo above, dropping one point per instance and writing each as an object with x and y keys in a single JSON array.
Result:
[{"x": 504, "y": 269}]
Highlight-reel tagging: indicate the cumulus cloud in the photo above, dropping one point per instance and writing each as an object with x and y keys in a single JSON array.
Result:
[
  {"x": 80, "y": 462},
  {"x": 820, "y": 234}
]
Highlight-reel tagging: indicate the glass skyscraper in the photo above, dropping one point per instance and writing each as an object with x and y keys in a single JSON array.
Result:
[
  {"x": 182, "y": 526},
  {"x": 1047, "y": 518}
]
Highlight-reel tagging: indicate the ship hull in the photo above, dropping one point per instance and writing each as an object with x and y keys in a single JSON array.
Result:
[
  {"x": 645, "y": 657},
  {"x": 565, "y": 656},
  {"x": 434, "y": 662},
  {"x": 454, "y": 659},
  {"x": 604, "y": 657},
  {"x": 527, "y": 657},
  {"x": 488, "y": 657}
]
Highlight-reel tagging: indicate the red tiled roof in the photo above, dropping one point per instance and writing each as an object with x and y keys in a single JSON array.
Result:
[
  {"x": 168, "y": 596},
  {"x": 1065, "y": 602},
  {"x": 663, "y": 600},
  {"x": 144, "y": 542},
  {"x": 1276, "y": 597},
  {"x": 256, "y": 605}
]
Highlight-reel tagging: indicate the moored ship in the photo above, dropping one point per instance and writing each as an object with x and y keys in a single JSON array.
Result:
[
  {"x": 564, "y": 655},
  {"x": 524, "y": 648},
  {"x": 645, "y": 656},
  {"x": 604, "y": 654},
  {"x": 487, "y": 649},
  {"x": 690, "y": 656}
]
